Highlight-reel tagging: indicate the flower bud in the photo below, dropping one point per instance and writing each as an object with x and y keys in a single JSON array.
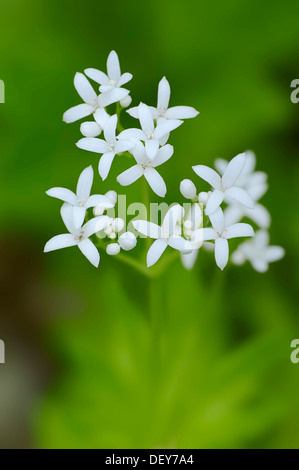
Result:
[
  {"x": 90, "y": 129},
  {"x": 203, "y": 197},
  {"x": 113, "y": 249},
  {"x": 188, "y": 189},
  {"x": 125, "y": 102},
  {"x": 118, "y": 224},
  {"x": 112, "y": 195},
  {"x": 127, "y": 241}
]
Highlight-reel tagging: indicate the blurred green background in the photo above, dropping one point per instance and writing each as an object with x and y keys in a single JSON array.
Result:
[{"x": 81, "y": 364}]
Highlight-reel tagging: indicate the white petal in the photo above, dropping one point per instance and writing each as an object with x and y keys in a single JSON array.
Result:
[
  {"x": 137, "y": 134},
  {"x": 105, "y": 88},
  {"x": 189, "y": 259},
  {"x": 78, "y": 215},
  {"x": 63, "y": 194},
  {"x": 145, "y": 118},
  {"x": 233, "y": 170},
  {"x": 77, "y": 112},
  {"x": 92, "y": 145},
  {"x": 96, "y": 75},
  {"x": 179, "y": 243},
  {"x": 151, "y": 148},
  {"x": 60, "y": 241},
  {"x": 214, "y": 201},
  {"x": 90, "y": 129},
  {"x": 89, "y": 251},
  {"x": 165, "y": 127},
  {"x": 261, "y": 239},
  {"x": 133, "y": 112},
  {"x": 260, "y": 215},
  {"x": 101, "y": 116},
  {"x": 85, "y": 89},
  {"x": 240, "y": 195},
  {"x": 217, "y": 220},
  {"x": 155, "y": 181},
  {"x": 147, "y": 228},
  {"x": 181, "y": 112},
  {"x": 105, "y": 164},
  {"x": 125, "y": 78},
  {"x": 208, "y": 175},
  {"x": 163, "y": 94},
  {"x": 220, "y": 165},
  {"x": 130, "y": 176},
  {"x": 274, "y": 253},
  {"x": 221, "y": 252},
  {"x": 238, "y": 230},
  {"x": 259, "y": 264},
  {"x": 95, "y": 225},
  {"x": 204, "y": 234},
  {"x": 172, "y": 217},
  {"x": 123, "y": 145},
  {"x": 155, "y": 252},
  {"x": 66, "y": 212},
  {"x": 164, "y": 139},
  {"x": 110, "y": 129},
  {"x": 250, "y": 163},
  {"x": 112, "y": 96},
  {"x": 99, "y": 200},
  {"x": 85, "y": 183},
  {"x": 113, "y": 67},
  {"x": 233, "y": 214},
  {"x": 139, "y": 153},
  {"x": 164, "y": 154}
]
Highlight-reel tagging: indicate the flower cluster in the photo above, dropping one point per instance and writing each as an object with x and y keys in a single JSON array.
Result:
[{"x": 205, "y": 222}]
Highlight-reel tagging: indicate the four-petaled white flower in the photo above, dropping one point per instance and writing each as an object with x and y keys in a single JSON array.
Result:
[
  {"x": 258, "y": 252},
  {"x": 166, "y": 235},
  {"x": 108, "y": 147},
  {"x": 92, "y": 101},
  {"x": 225, "y": 186},
  {"x": 162, "y": 111},
  {"x": 114, "y": 79},
  {"x": 81, "y": 201},
  {"x": 146, "y": 167},
  {"x": 148, "y": 133},
  {"x": 221, "y": 233},
  {"x": 78, "y": 236}
]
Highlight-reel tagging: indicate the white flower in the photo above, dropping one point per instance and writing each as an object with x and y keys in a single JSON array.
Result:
[
  {"x": 164, "y": 236},
  {"x": 192, "y": 222},
  {"x": 146, "y": 167},
  {"x": 188, "y": 189},
  {"x": 258, "y": 252},
  {"x": 78, "y": 235},
  {"x": 108, "y": 147},
  {"x": 148, "y": 133},
  {"x": 94, "y": 128},
  {"x": 114, "y": 79},
  {"x": 162, "y": 111},
  {"x": 92, "y": 101},
  {"x": 221, "y": 233},
  {"x": 81, "y": 201},
  {"x": 225, "y": 186}
]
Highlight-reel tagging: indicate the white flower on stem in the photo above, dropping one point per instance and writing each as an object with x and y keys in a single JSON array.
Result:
[
  {"x": 146, "y": 167},
  {"x": 108, "y": 147},
  {"x": 192, "y": 222},
  {"x": 94, "y": 128},
  {"x": 225, "y": 186},
  {"x": 258, "y": 252},
  {"x": 164, "y": 236},
  {"x": 148, "y": 133},
  {"x": 78, "y": 236},
  {"x": 114, "y": 80},
  {"x": 162, "y": 111},
  {"x": 92, "y": 101},
  {"x": 81, "y": 201},
  {"x": 221, "y": 233}
]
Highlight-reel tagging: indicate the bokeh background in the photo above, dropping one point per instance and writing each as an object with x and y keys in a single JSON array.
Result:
[{"x": 82, "y": 369}]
